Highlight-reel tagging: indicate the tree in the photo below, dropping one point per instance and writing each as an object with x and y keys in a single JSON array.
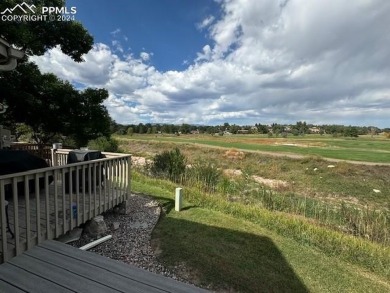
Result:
[
  {"x": 351, "y": 131},
  {"x": 90, "y": 117},
  {"x": 130, "y": 131},
  {"x": 51, "y": 106},
  {"x": 35, "y": 38}
]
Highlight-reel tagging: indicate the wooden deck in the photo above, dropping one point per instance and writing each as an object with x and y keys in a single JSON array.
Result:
[
  {"x": 72, "y": 210},
  {"x": 56, "y": 267}
]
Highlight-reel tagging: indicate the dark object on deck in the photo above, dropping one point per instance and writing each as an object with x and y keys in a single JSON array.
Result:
[
  {"x": 77, "y": 156},
  {"x": 21, "y": 161}
]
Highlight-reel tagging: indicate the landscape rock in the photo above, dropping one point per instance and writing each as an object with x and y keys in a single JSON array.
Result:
[
  {"x": 115, "y": 226},
  {"x": 96, "y": 227}
]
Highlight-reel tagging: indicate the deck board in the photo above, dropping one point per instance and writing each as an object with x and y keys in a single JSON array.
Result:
[{"x": 56, "y": 267}]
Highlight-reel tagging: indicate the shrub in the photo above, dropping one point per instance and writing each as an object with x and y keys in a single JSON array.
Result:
[
  {"x": 103, "y": 144},
  {"x": 169, "y": 164}
]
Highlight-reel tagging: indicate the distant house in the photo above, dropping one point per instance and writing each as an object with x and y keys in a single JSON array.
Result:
[
  {"x": 195, "y": 131},
  {"x": 242, "y": 131},
  {"x": 314, "y": 130}
]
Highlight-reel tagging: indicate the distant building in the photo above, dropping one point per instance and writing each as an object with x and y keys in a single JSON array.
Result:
[
  {"x": 242, "y": 131},
  {"x": 314, "y": 130}
]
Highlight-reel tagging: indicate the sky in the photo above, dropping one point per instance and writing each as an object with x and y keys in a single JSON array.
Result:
[{"x": 236, "y": 61}]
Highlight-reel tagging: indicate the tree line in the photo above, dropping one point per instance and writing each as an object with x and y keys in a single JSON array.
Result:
[{"x": 300, "y": 128}]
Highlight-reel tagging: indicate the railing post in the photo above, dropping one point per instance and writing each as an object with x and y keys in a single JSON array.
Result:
[
  {"x": 54, "y": 158},
  {"x": 3, "y": 222},
  {"x": 128, "y": 191}
]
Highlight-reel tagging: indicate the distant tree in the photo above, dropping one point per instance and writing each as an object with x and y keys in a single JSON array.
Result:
[
  {"x": 130, "y": 131},
  {"x": 262, "y": 128},
  {"x": 351, "y": 131},
  {"x": 302, "y": 127},
  {"x": 141, "y": 128},
  {"x": 185, "y": 128}
]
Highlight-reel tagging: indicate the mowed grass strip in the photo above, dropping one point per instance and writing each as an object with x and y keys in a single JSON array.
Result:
[{"x": 229, "y": 253}]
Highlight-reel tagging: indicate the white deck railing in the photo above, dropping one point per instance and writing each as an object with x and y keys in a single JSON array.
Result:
[{"x": 46, "y": 203}]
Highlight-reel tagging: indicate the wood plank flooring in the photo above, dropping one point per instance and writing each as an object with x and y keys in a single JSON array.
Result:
[{"x": 56, "y": 267}]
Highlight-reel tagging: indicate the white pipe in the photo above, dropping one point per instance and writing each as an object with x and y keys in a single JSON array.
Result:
[{"x": 96, "y": 242}]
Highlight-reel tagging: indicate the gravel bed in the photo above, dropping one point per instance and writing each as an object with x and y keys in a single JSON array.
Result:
[{"x": 130, "y": 243}]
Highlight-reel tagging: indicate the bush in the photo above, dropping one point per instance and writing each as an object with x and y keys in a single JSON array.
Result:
[
  {"x": 103, "y": 144},
  {"x": 169, "y": 164}
]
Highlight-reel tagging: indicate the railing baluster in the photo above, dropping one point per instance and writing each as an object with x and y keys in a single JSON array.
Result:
[
  {"x": 57, "y": 228},
  {"x": 38, "y": 208},
  {"x": 63, "y": 173},
  {"x": 94, "y": 183},
  {"x": 3, "y": 222},
  {"x": 71, "y": 198},
  {"x": 89, "y": 189},
  {"x": 28, "y": 214},
  {"x": 78, "y": 195},
  {"x": 100, "y": 186},
  {"x": 105, "y": 184},
  {"x": 47, "y": 212},
  {"x": 85, "y": 217},
  {"x": 128, "y": 170},
  {"x": 16, "y": 215},
  {"x": 110, "y": 184},
  {"x": 117, "y": 182}
]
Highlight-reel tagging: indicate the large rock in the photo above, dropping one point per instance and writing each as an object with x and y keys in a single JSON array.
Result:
[{"x": 96, "y": 227}]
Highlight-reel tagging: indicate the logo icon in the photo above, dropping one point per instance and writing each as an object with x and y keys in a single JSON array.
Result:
[
  {"x": 26, "y": 13},
  {"x": 24, "y": 7}
]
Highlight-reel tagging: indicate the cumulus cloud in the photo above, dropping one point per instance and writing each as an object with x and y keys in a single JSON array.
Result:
[{"x": 266, "y": 61}]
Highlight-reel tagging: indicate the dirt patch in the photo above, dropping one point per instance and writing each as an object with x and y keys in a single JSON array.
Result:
[
  {"x": 273, "y": 183},
  {"x": 234, "y": 154},
  {"x": 232, "y": 172},
  {"x": 139, "y": 161}
]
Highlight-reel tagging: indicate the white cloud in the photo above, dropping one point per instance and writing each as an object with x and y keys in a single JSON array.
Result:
[
  {"x": 267, "y": 61},
  {"x": 206, "y": 22}
]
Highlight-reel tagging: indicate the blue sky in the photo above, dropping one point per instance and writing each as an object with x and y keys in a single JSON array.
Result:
[
  {"x": 166, "y": 28},
  {"x": 236, "y": 61}
]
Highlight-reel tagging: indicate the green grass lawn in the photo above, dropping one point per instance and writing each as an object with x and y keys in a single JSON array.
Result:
[
  {"x": 360, "y": 149},
  {"x": 228, "y": 252}
]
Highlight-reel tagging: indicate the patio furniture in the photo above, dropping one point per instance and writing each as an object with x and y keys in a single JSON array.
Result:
[
  {"x": 12, "y": 161},
  {"x": 77, "y": 156}
]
